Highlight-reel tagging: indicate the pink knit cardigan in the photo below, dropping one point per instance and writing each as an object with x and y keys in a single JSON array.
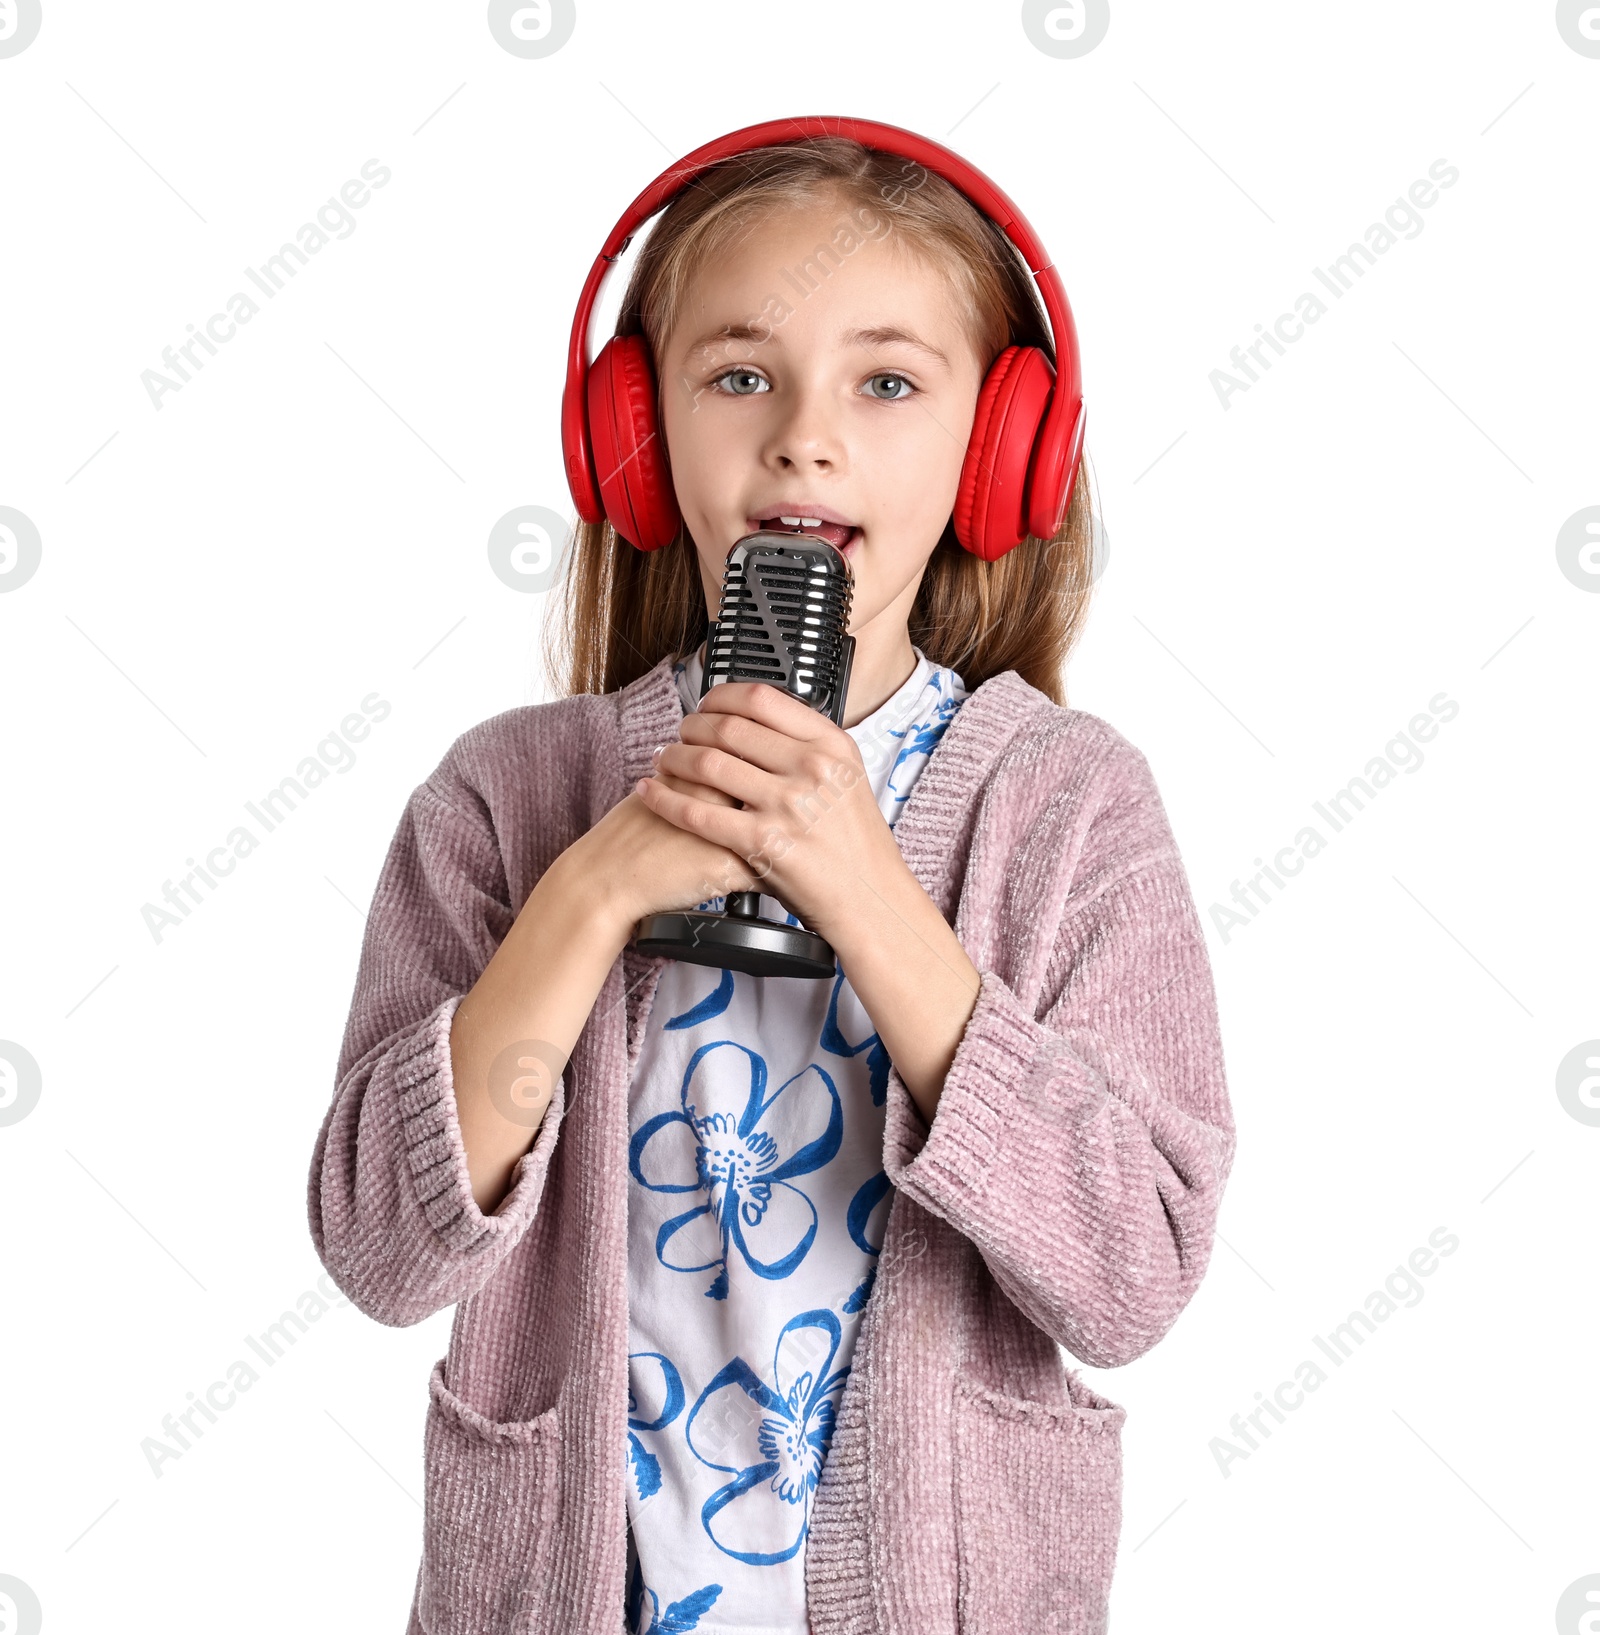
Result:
[{"x": 1065, "y": 1195}]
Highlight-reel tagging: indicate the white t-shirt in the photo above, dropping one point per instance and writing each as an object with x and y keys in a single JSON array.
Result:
[{"x": 756, "y": 1205}]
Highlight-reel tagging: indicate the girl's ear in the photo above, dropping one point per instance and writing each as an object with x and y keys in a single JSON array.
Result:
[{"x": 630, "y": 451}]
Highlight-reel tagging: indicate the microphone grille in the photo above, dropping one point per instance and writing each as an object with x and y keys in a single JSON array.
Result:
[{"x": 784, "y": 612}]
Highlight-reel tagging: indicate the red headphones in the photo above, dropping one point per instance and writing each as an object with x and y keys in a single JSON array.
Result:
[{"x": 1027, "y": 437}]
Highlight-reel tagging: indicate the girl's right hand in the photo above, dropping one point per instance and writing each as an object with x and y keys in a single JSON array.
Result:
[{"x": 640, "y": 864}]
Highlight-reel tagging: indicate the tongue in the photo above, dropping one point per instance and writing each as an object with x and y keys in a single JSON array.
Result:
[{"x": 836, "y": 534}]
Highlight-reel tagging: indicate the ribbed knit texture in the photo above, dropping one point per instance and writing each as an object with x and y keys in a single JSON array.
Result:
[{"x": 1065, "y": 1195}]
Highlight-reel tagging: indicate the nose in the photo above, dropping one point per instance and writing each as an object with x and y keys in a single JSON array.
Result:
[{"x": 808, "y": 434}]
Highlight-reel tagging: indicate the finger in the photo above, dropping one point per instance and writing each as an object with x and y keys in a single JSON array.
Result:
[
  {"x": 688, "y": 785},
  {"x": 771, "y": 706},
  {"x": 715, "y": 768},
  {"x": 700, "y": 791},
  {"x": 721, "y": 825},
  {"x": 763, "y": 746}
]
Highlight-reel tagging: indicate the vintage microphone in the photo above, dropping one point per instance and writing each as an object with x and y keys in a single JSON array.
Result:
[{"x": 783, "y": 616}]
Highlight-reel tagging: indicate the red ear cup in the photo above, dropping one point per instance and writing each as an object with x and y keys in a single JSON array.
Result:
[
  {"x": 1054, "y": 474},
  {"x": 630, "y": 458},
  {"x": 991, "y": 510}
]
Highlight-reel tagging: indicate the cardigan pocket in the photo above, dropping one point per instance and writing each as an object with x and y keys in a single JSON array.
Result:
[
  {"x": 1038, "y": 1510},
  {"x": 491, "y": 1499}
]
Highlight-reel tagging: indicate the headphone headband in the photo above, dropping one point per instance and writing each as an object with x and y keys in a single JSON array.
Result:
[{"x": 1061, "y": 432}]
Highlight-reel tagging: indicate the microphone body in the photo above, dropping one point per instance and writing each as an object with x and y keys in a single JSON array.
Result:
[{"x": 782, "y": 619}]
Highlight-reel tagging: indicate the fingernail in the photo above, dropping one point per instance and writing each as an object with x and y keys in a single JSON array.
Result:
[{"x": 655, "y": 754}]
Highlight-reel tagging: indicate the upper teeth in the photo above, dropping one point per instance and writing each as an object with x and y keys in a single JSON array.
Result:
[{"x": 801, "y": 522}]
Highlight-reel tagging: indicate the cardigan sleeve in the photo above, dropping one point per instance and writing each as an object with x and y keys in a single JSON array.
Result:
[
  {"x": 1082, "y": 1144},
  {"x": 390, "y": 1201}
]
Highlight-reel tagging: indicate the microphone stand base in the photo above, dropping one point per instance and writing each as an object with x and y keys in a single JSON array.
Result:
[{"x": 736, "y": 942}]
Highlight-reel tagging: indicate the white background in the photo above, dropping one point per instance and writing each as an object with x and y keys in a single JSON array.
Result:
[{"x": 1291, "y": 579}]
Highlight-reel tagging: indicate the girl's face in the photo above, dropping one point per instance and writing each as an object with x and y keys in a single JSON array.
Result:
[{"x": 818, "y": 371}]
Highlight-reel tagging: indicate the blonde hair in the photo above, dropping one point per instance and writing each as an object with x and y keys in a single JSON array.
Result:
[{"x": 622, "y": 610}]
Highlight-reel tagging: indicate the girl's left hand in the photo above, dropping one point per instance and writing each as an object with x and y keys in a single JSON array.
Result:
[{"x": 810, "y": 826}]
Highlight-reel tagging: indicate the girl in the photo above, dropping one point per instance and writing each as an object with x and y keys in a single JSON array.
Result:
[{"x": 762, "y": 1284}]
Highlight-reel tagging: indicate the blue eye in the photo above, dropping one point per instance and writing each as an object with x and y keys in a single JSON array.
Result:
[
  {"x": 895, "y": 397},
  {"x": 741, "y": 374}
]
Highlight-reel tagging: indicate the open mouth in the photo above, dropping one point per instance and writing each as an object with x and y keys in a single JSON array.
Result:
[{"x": 842, "y": 535}]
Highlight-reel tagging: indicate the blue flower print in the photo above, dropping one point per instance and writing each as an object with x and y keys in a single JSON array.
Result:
[
  {"x": 681, "y": 1615},
  {"x": 646, "y": 1467},
  {"x": 772, "y": 1439},
  {"x": 869, "y": 1195},
  {"x": 708, "y": 1009},
  {"x": 922, "y": 739},
  {"x": 724, "y": 1152},
  {"x": 834, "y": 1042}
]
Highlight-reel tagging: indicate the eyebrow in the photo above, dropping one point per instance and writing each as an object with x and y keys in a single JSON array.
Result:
[
  {"x": 728, "y": 332},
  {"x": 877, "y": 335},
  {"x": 891, "y": 335}
]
